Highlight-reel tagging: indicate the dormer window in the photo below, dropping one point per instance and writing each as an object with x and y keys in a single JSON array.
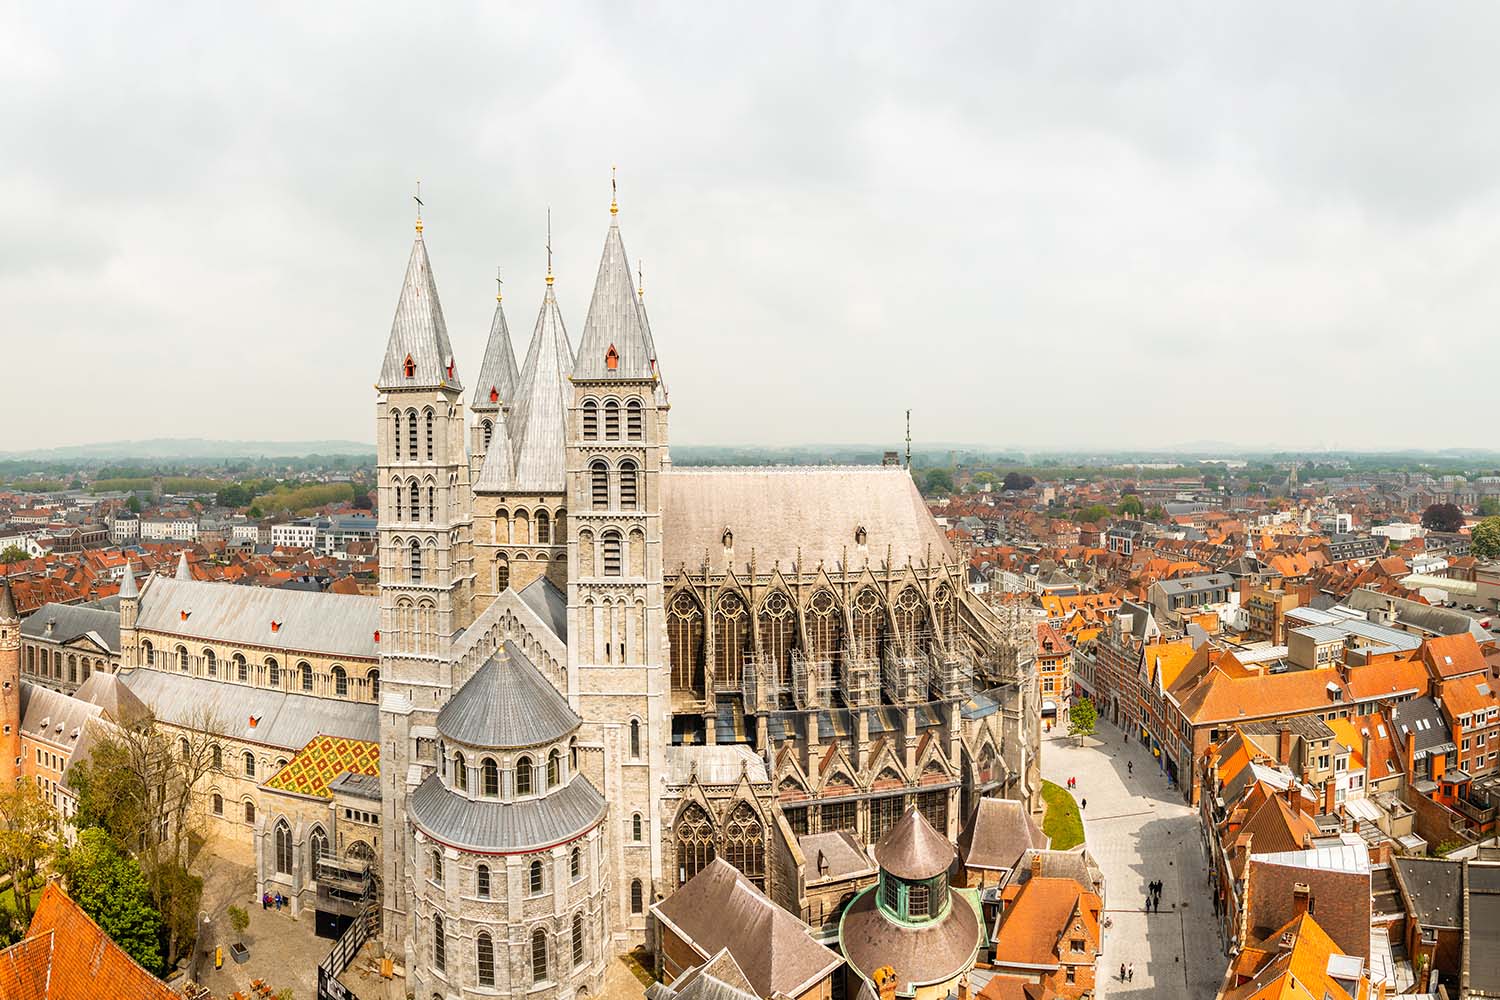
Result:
[
  {"x": 612, "y": 358},
  {"x": 860, "y": 537},
  {"x": 728, "y": 539},
  {"x": 409, "y": 367},
  {"x": 494, "y": 395},
  {"x": 451, "y": 366}
]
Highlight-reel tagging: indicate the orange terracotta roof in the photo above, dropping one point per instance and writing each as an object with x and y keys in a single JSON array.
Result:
[
  {"x": 1467, "y": 695},
  {"x": 1230, "y": 692},
  {"x": 66, "y": 956},
  {"x": 1387, "y": 676},
  {"x": 1453, "y": 655},
  {"x": 1037, "y": 920}
]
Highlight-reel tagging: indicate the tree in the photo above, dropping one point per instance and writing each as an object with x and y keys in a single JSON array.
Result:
[
  {"x": 134, "y": 503},
  {"x": 254, "y": 512},
  {"x": 362, "y": 501},
  {"x": 939, "y": 482},
  {"x": 1091, "y": 513},
  {"x": 1082, "y": 718},
  {"x": 1442, "y": 517},
  {"x": 238, "y": 919},
  {"x": 1485, "y": 540},
  {"x": 1489, "y": 506},
  {"x": 1016, "y": 481},
  {"x": 111, "y": 888},
  {"x": 28, "y": 841},
  {"x": 13, "y": 554},
  {"x": 1131, "y": 506}
]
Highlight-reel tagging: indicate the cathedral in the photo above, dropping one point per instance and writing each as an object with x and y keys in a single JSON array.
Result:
[{"x": 588, "y": 673}]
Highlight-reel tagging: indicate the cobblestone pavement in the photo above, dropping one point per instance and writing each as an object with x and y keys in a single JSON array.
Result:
[{"x": 1141, "y": 831}]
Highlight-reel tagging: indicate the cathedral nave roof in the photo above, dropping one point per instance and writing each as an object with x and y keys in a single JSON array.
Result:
[{"x": 338, "y": 625}]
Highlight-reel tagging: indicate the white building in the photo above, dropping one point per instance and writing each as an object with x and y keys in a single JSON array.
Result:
[
  {"x": 294, "y": 535},
  {"x": 180, "y": 528}
]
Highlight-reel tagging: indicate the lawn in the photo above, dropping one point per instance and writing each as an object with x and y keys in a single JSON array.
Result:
[{"x": 1061, "y": 822}]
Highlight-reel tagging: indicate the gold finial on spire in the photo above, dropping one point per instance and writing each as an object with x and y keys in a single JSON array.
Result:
[
  {"x": 499, "y": 284},
  {"x": 614, "y": 192},
  {"x": 549, "y": 245},
  {"x": 418, "y": 199}
]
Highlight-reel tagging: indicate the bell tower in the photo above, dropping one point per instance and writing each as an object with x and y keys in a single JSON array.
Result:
[
  {"x": 616, "y": 449},
  {"x": 426, "y": 554},
  {"x": 10, "y": 688}
]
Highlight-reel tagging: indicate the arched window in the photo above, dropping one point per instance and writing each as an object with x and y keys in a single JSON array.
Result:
[
  {"x": 485, "y": 949},
  {"x": 731, "y": 630},
  {"x": 554, "y": 769},
  {"x": 610, "y": 543},
  {"x": 305, "y": 670},
  {"x": 249, "y": 760},
  {"x": 72, "y": 669},
  {"x": 148, "y": 652},
  {"x": 502, "y": 573},
  {"x": 317, "y": 848},
  {"x": 482, "y": 881},
  {"x": 340, "y": 682},
  {"x": 534, "y": 878},
  {"x": 869, "y": 622},
  {"x": 184, "y": 748},
  {"x": 374, "y": 678},
  {"x": 241, "y": 668},
  {"x": 460, "y": 772},
  {"x": 612, "y": 420},
  {"x": 283, "y": 848},
  {"x": 637, "y": 896},
  {"x": 439, "y": 944},
  {"x": 695, "y": 842},
  {"x": 635, "y": 738},
  {"x": 489, "y": 429},
  {"x": 400, "y": 497},
  {"x": 636, "y": 828},
  {"x": 543, "y": 528},
  {"x": 911, "y": 616},
  {"x": 182, "y": 659},
  {"x": 559, "y": 525},
  {"x": 490, "y": 786},
  {"x": 629, "y": 485},
  {"x": 249, "y": 811},
  {"x": 538, "y": 956},
  {"x": 590, "y": 420},
  {"x": 218, "y": 804},
  {"x": 634, "y": 424},
  {"x": 523, "y": 776},
  {"x": 411, "y": 435},
  {"x": 414, "y": 501},
  {"x": 429, "y": 435},
  {"x": 778, "y": 635},
  {"x": 437, "y": 867},
  {"x": 273, "y": 672},
  {"x": 575, "y": 863},
  {"x": 825, "y": 633},
  {"x": 396, "y": 431},
  {"x": 685, "y": 637},
  {"x": 431, "y": 502},
  {"x": 211, "y": 662},
  {"x": 599, "y": 484},
  {"x": 744, "y": 846},
  {"x": 577, "y": 940},
  {"x": 416, "y": 561},
  {"x": 216, "y": 757}
]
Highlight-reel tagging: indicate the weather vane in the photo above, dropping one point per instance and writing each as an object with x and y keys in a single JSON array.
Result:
[
  {"x": 549, "y": 244},
  {"x": 614, "y": 192},
  {"x": 418, "y": 199},
  {"x": 499, "y": 284}
]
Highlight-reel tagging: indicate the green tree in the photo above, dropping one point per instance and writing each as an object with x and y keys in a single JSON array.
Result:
[
  {"x": 1489, "y": 506},
  {"x": 238, "y": 919},
  {"x": 939, "y": 482},
  {"x": 111, "y": 888},
  {"x": 1442, "y": 517},
  {"x": 1485, "y": 541},
  {"x": 254, "y": 512},
  {"x": 134, "y": 503},
  {"x": 1093, "y": 512},
  {"x": 1131, "y": 506},
  {"x": 28, "y": 842},
  {"x": 13, "y": 554},
  {"x": 1083, "y": 717}
]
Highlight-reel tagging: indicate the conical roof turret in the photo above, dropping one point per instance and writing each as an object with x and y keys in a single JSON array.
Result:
[
  {"x": 538, "y": 421},
  {"x": 498, "y": 374},
  {"x": 616, "y": 341},
  {"x": 184, "y": 572},
  {"x": 128, "y": 589},
  {"x": 418, "y": 354},
  {"x": 8, "y": 603},
  {"x": 497, "y": 473}
]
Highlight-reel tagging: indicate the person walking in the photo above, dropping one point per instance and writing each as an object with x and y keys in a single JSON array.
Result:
[
  {"x": 1122, "y": 972},
  {"x": 1130, "y": 973},
  {"x": 1083, "y": 804},
  {"x": 1130, "y": 767}
]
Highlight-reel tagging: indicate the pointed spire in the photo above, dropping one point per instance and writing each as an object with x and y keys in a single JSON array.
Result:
[
  {"x": 184, "y": 572},
  {"x": 418, "y": 354},
  {"x": 616, "y": 340},
  {"x": 497, "y": 473},
  {"x": 8, "y": 603},
  {"x": 538, "y": 421},
  {"x": 497, "y": 372},
  {"x": 128, "y": 590}
]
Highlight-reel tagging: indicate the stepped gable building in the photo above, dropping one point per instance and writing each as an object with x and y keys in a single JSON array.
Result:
[{"x": 587, "y": 673}]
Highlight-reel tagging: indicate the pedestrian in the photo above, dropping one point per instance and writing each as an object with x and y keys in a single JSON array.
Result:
[
  {"x": 1122, "y": 972},
  {"x": 265, "y": 901},
  {"x": 1130, "y": 766},
  {"x": 1083, "y": 804},
  {"x": 1131, "y": 976}
]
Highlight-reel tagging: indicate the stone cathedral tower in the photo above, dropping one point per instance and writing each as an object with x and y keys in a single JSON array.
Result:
[
  {"x": 616, "y": 449},
  {"x": 426, "y": 551}
]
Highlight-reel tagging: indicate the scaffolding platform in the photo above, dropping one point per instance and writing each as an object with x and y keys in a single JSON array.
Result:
[{"x": 812, "y": 681}]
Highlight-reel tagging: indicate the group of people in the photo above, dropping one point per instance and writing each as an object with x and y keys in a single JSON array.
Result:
[
  {"x": 1153, "y": 896},
  {"x": 1127, "y": 972},
  {"x": 270, "y": 899}
]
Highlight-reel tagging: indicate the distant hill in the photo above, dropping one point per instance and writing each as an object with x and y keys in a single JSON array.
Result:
[{"x": 178, "y": 449}]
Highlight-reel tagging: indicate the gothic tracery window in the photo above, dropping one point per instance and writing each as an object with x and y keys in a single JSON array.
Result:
[
  {"x": 744, "y": 844},
  {"x": 778, "y": 634},
  {"x": 685, "y": 636},
  {"x": 283, "y": 848},
  {"x": 730, "y": 628},
  {"x": 825, "y": 630},
  {"x": 695, "y": 842},
  {"x": 869, "y": 622},
  {"x": 911, "y": 615}
]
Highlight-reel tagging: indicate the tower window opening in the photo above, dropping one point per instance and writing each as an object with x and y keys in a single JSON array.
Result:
[
  {"x": 612, "y": 420},
  {"x": 634, "y": 423},
  {"x": 599, "y": 484},
  {"x": 409, "y": 367},
  {"x": 590, "y": 420}
]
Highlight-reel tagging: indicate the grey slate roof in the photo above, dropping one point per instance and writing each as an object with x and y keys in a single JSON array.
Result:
[
  {"x": 493, "y": 825},
  {"x": 419, "y": 331},
  {"x": 364, "y": 786},
  {"x": 550, "y": 603},
  {"x": 616, "y": 318},
  {"x": 184, "y": 571},
  {"x": 1422, "y": 717},
  {"x": 70, "y": 621},
  {"x": 998, "y": 832},
  {"x": 538, "y": 421},
  {"x": 65, "y": 717},
  {"x": 779, "y": 511},
  {"x": 1433, "y": 890},
  {"x": 507, "y": 703},
  {"x": 282, "y": 719},
  {"x": 127, "y": 582},
  {"x": 719, "y": 978},
  {"x": 498, "y": 472},
  {"x": 340, "y": 625},
  {"x": 119, "y": 703},
  {"x": 497, "y": 370}
]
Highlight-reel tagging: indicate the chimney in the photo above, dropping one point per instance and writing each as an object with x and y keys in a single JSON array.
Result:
[
  {"x": 885, "y": 982},
  {"x": 1036, "y": 864},
  {"x": 963, "y": 987},
  {"x": 1284, "y": 744},
  {"x": 1301, "y": 899},
  {"x": 1330, "y": 797}
]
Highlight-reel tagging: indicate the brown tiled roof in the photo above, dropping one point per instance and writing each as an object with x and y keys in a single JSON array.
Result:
[
  {"x": 913, "y": 849},
  {"x": 66, "y": 956},
  {"x": 998, "y": 832},
  {"x": 1339, "y": 899}
]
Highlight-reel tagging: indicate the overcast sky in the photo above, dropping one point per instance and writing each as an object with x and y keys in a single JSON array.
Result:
[{"x": 1039, "y": 226}]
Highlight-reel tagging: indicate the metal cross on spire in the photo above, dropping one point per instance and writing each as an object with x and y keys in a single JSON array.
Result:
[
  {"x": 549, "y": 244},
  {"x": 418, "y": 199},
  {"x": 499, "y": 284},
  {"x": 614, "y": 192},
  {"x": 640, "y": 277}
]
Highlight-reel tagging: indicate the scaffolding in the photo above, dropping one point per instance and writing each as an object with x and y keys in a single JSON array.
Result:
[
  {"x": 812, "y": 681},
  {"x": 952, "y": 673},
  {"x": 760, "y": 684},
  {"x": 904, "y": 673},
  {"x": 861, "y": 680}
]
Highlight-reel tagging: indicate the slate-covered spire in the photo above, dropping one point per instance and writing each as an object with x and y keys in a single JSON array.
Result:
[
  {"x": 8, "y": 603},
  {"x": 498, "y": 374},
  {"x": 616, "y": 340},
  {"x": 497, "y": 471},
  {"x": 418, "y": 354},
  {"x": 128, "y": 589},
  {"x": 538, "y": 422},
  {"x": 184, "y": 572}
]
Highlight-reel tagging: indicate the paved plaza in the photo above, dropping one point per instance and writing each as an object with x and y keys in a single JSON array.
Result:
[{"x": 1141, "y": 831}]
